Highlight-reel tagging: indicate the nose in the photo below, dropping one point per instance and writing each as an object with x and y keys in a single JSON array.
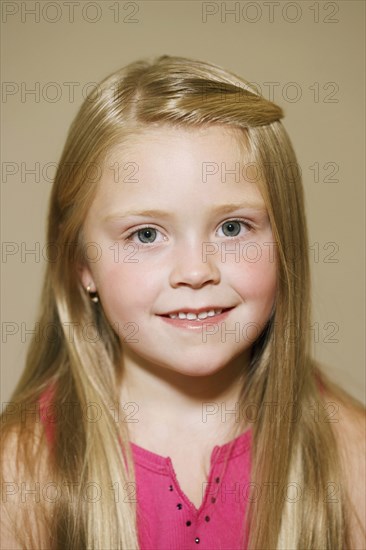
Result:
[{"x": 192, "y": 268}]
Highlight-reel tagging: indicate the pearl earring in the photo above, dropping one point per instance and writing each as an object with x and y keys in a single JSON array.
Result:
[{"x": 93, "y": 295}]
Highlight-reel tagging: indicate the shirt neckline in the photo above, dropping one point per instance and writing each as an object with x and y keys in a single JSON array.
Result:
[{"x": 156, "y": 462}]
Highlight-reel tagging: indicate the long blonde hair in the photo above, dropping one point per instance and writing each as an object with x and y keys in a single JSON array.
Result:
[{"x": 184, "y": 93}]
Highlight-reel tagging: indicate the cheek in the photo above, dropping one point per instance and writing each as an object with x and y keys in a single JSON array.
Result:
[
  {"x": 126, "y": 287},
  {"x": 255, "y": 276}
]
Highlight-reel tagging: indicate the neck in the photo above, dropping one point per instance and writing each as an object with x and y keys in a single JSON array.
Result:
[{"x": 165, "y": 400}]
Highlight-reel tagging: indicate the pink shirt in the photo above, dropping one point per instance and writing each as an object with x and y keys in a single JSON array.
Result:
[{"x": 166, "y": 518}]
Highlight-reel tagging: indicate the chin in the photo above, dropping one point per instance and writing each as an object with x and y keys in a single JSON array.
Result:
[{"x": 199, "y": 367}]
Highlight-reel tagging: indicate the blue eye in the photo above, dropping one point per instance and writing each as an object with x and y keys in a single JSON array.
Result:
[
  {"x": 233, "y": 228},
  {"x": 145, "y": 234}
]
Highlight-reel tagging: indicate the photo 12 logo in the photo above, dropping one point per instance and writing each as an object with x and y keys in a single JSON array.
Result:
[
  {"x": 270, "y": 12},
  {"x": 70, "y": 12}
]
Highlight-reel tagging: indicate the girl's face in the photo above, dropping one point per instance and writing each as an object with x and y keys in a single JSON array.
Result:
[{"x": 176, "y": 227}]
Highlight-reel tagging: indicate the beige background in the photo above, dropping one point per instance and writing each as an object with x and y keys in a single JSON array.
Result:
[{"x": 316, "y": 46}]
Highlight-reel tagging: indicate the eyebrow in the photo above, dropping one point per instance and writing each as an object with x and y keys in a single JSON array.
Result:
[{"x": 217, "y": 209}]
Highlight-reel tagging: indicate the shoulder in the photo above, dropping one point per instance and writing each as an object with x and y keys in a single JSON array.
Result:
[
  {"x": 349, "y": 427},
  {"x": 24, "y": 471}
]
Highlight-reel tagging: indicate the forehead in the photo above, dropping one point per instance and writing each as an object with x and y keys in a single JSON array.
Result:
[
  {"x": 170, "y": 163},
  {"x": 213, "y": 137}
]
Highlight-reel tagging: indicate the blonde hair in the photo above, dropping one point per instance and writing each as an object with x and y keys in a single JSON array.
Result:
[{"x": 184, "y": 93}]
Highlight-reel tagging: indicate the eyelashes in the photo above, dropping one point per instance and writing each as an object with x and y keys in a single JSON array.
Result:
[
  {"x": 148, "y": 231},
  {"x": 239, "y": 222}
]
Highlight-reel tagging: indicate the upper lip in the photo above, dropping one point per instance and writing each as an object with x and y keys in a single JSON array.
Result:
[{"x": 196, "y": 311}]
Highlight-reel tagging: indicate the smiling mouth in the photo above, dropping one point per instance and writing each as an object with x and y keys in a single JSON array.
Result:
[{"x": 201, "y": 316}]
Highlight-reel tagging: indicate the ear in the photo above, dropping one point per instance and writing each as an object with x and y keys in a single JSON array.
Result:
[{"x": 86, "y": 277}]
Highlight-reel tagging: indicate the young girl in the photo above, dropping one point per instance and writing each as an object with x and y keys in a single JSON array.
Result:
[{"x": 169, "y": 399}]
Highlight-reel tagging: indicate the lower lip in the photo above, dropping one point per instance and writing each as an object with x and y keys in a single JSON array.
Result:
[{"x": 196, "y": 325}]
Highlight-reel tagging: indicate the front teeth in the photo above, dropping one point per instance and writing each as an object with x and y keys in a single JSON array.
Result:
[{"x": 194, "y": 317}]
